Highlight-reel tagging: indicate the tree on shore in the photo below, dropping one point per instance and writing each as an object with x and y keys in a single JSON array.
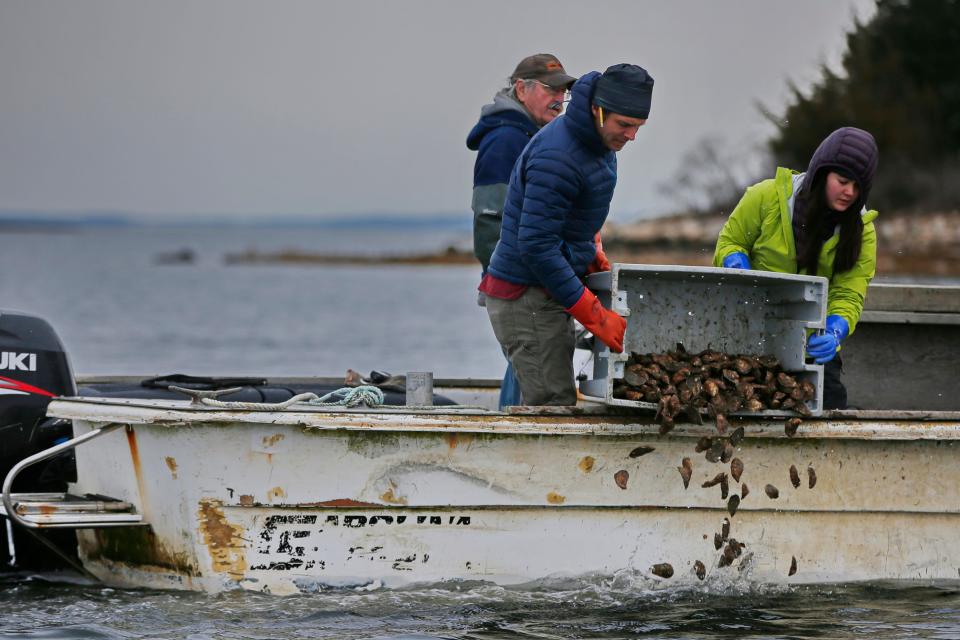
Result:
[
  {"x": 900, "y": 82},
  {"x": 712, "y": 175}
]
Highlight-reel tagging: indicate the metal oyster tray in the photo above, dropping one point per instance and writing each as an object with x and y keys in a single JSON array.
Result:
[{"x": 734, "y": 311}]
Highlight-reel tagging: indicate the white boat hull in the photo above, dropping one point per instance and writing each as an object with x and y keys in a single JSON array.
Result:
[{"x": 295, "y": 501}]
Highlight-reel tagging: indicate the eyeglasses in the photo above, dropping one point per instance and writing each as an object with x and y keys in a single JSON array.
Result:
[{"x": 552, "y": 89}]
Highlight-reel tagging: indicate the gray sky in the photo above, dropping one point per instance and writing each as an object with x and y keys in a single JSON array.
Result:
[{"x": 330, "y": 108}]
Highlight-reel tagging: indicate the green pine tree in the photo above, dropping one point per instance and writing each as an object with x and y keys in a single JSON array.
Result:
[{"x": 901, "y": 82}]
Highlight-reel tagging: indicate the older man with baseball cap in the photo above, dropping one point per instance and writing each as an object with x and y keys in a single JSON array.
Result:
[
  {"x": 533, "y": 97},
  {"x": 558, "y": 199}
]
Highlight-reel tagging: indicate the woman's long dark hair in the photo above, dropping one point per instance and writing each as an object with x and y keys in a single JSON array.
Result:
[{"x": 818, "y": 217}]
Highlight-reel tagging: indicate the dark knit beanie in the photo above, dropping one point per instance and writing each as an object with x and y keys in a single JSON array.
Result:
[{"x": 625, "y": 89}]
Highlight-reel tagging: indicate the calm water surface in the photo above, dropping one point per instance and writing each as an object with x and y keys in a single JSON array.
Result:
[
  {"x": 618, "y": 607},
  {"x": 119, "y": 312}
]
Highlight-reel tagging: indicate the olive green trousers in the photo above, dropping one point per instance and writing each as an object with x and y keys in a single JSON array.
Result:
[{"x": 537, "y": 337}]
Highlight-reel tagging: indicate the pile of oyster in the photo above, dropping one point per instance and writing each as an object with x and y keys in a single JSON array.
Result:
[{"x": 713, "y": 382}]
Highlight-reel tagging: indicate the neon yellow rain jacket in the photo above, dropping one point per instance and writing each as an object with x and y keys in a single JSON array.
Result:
[{"x": 760, "y": 227}]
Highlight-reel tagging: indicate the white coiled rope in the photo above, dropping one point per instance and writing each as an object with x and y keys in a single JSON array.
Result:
[{"x": 346, "y": 397}]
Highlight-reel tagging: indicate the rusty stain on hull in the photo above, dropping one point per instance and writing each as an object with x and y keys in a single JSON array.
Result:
[
  {"x": 586, "y": 464},
  {"x": 455, "y": 439},
  {"x": 342, "y": 502},
  {"x": 136, "y": 546},
  {"x": 172, "y": 465},
  {"x": 269, "y": 441},
  {"x": 224, "y": 540},
  {"x": 555, "y": 498},
  {"x": 246, "y": 500},
  {"x": 390, "y": 497},
  {"x": 135, "y": 458},
  {"x": 276, "y": 492}
]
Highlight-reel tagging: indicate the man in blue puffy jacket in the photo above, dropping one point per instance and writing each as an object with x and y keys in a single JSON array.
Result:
[
  {"x": 533, "y": 98},
  {"x": 558, "y": 199}
]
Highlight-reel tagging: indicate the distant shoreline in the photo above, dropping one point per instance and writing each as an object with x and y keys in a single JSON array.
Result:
[
  {"x": 920, "y": 244},
  {"x": 938, "y": 264},
  {"x": 451, "y": 256},
  {"x": 908, "y": 245}
]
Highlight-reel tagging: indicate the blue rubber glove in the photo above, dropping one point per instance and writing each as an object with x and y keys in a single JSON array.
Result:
[
  {"x": 822, "y": 347},
  {"x": 737, "y": 260}
]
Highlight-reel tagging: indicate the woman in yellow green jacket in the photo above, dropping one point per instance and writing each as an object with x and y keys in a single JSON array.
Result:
[{"x": 814, "y": 223}]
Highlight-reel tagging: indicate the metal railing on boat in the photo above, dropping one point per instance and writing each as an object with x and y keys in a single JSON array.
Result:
[
  {"x": 61, "y": 510},
  {"x": 35, "y": 512}
]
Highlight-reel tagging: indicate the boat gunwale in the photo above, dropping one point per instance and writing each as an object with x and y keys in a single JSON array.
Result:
[{"x": 589, "y": 420}]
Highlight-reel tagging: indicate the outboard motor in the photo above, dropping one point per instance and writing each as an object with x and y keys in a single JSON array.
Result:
[{"x": 33, "y": 370}]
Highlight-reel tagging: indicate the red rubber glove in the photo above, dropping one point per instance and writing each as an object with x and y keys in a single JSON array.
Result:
[
  {"x": 602, "y": 322},
  {"x": 600, "y": 262}
]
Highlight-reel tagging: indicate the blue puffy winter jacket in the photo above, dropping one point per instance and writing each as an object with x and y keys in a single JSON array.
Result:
[
  {"x": 558, "y": 200},
  {"x": 503, "y": 131}
]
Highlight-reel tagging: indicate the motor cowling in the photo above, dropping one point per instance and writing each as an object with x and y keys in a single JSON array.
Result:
[{"x": 34, "y": 368}]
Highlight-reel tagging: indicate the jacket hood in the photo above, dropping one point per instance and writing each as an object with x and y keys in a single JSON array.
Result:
[
  {"x": 852, "y": 151},
  {"x": 579, "y": 116},
  {"x": 504, "y": 111}
]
